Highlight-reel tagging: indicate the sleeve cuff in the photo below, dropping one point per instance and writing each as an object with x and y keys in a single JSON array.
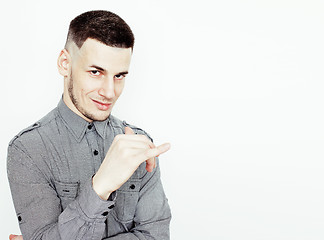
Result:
[{"x": 92, "y": 206}]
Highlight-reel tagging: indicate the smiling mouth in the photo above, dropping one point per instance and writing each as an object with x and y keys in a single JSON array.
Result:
[{"x": 102, "y": 106}]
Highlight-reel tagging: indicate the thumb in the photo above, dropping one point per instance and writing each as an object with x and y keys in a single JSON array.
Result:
[{"x": 128, "y": 130}]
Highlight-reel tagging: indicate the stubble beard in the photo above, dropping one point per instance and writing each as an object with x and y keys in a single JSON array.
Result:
[{"x": 78, "y": 106}]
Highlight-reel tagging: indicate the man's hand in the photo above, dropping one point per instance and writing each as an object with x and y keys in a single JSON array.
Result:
[
  {"x": 15, "y": 237},
  {"x": 125, "y": 154}
]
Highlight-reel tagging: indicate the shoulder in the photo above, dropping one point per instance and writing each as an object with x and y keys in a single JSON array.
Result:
[
  {"x": 31, "y": 133},
  {"x": 115, "y": 122}
]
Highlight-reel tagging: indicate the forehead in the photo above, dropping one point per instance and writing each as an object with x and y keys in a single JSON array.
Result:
[{"x": 96, "y": 53}]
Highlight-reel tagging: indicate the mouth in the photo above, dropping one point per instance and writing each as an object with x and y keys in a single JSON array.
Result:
[{"x": 102, "y": 106}]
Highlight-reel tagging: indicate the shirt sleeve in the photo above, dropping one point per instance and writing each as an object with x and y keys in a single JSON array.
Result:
[
  {"x": 153, "y": 214},
  {"x": 38, "y": 206}
]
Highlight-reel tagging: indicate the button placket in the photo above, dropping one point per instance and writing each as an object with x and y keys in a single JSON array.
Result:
[{"x": 92, "y": 137}]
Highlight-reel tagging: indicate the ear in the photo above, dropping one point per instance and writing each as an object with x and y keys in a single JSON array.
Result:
[{"x": 64, "y": 63}]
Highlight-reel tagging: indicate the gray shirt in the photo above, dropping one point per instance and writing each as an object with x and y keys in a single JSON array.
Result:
[{"x": 50, "y": 167}]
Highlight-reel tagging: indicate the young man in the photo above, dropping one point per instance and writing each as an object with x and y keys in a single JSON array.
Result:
[{"x": 79, "y": 172}]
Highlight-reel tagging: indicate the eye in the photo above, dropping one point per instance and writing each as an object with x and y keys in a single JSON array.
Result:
[
  {"x": 119, "y": 76},
  {"x": 95, "y": 72}
]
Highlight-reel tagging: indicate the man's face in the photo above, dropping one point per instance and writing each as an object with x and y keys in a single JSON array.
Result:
[{"x": 96, "y": 79}]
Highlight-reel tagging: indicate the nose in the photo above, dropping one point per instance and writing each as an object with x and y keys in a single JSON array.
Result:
[{"x": 107, "y": 89}]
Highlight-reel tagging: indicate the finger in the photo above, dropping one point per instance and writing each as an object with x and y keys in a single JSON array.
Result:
[
  {"x": 153, "y": 152},
  {"x": 15, "y": 237},
  {"x": 11, "y": 236},
  {"x": 141, "y": 138},
  {"x": 150, "y": 164},
  {"x": 129, "y": 131},
  {"x": 134, "y": 137},
  {"x": 139, "y": 145},
  {"x": 134, "y": 140}
]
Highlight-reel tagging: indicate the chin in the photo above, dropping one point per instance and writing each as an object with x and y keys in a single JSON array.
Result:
[
  {"x": 100, "y": 117},
  {"x": 95, "y": 116}
]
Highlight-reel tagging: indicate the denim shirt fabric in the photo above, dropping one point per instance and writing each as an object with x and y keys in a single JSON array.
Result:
[{"x": 50, "y": 167}]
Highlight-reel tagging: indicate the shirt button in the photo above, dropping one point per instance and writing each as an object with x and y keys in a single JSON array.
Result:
[
  {"x": 111, "y": 206},
  {"x": 89, "y": 127},
  {"x": 95, "y": 152},
  {"x": 104, "y": 214},
  {"x": 132, "y": 186}
]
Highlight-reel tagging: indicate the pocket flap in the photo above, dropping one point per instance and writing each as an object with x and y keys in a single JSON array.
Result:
[{"x": 69, "y": 190}]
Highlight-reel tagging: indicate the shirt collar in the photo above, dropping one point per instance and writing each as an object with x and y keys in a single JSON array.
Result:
[{"x": 77, "y": 125}]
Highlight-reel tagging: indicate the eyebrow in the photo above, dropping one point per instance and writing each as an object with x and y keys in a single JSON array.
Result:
[
  {"x": 122, "y": 73},
  {"x": 104, "y": 70},
  {"x": 99, "y": 68}
]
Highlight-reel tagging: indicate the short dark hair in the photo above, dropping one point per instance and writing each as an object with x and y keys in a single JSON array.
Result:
[{"x": 104, "y": 26}]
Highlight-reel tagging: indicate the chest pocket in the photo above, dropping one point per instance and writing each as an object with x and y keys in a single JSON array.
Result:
[
  {"x": 127, "y": 198},
  {"x": 67, "y": 192}
]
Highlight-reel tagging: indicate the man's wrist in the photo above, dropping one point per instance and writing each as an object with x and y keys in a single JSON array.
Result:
[
  {"x": 91, "y": 205},
  {"x": 99, "y": 189}
]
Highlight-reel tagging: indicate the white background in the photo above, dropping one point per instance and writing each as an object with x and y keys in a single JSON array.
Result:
[{"x": 235, "y": 86}]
